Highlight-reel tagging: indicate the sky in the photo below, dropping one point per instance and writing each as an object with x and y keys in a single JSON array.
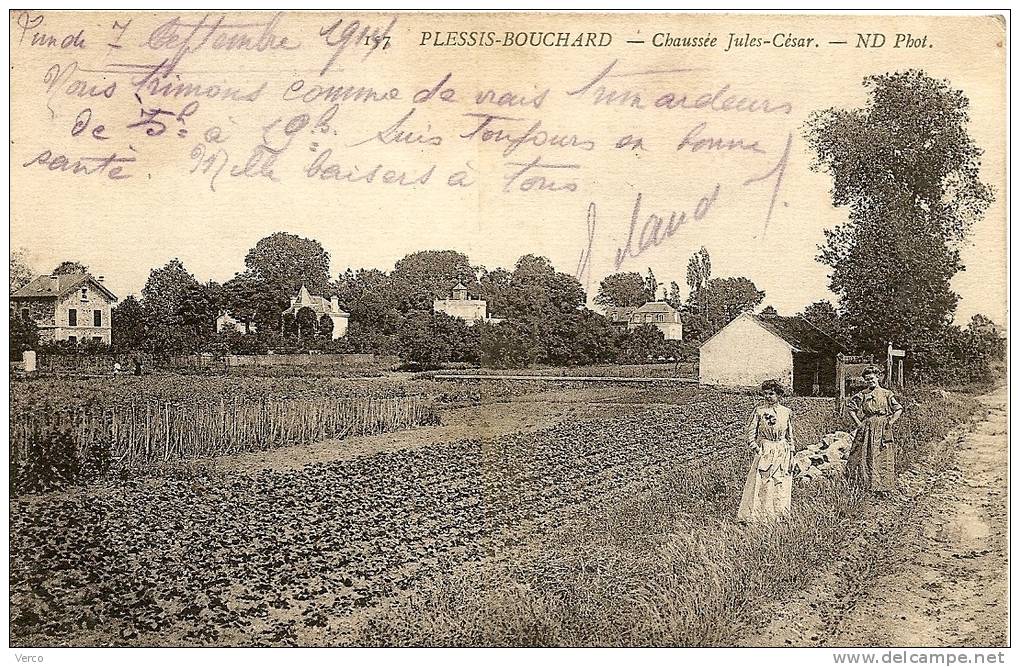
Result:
[{"x": 583, "y": 181}]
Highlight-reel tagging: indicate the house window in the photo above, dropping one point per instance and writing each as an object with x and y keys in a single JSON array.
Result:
[
  {"x": 97, "y": 318},
  {"x": 72, "y": 317},
  {"x": 84, "y": 293},
  {"x": 659, "y": 317},
  {"x": 73, "y": 340},
  {"x": 24, "y": 313},
  {"x": 98, "y": 339}
]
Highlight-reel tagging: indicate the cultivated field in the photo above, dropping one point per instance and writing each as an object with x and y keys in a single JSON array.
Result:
[{"x": 606, "y": 518}]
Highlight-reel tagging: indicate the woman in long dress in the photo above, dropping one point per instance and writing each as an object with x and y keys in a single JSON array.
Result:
[
  {"x": 769, "y": 484},
  {"x": 871, "y": 463}
]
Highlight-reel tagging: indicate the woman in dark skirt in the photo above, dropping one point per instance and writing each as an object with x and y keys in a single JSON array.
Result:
[{"x": 871, "y": 463}]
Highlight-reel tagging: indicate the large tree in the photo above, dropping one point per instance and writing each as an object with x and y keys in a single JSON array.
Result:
[
  {"x": 652, "y": 285},
  {"x": 68, "y": 267},
  {"x": 165, "y": 289},
  {"x": 623, "y": 289},
  {"x": 128, "y": 324},
  {"x": 285, "y": 262},
  {"x": 277, "y": 267},
  {"x": 673, "y": 297},
  {"x": 825, "y": 317},
  {"x": 163, "y": 298},
  {"x": 537, "y": 290},
  {"x": 699, "y": 270},
  {"x": 21, "y": 270},
  {"x": 494, "y": 286},
  {"x": 367, "y": 296},
  {"x": 577, "y": 338},
  {"x": 421, "y": 277},
  {"x": 429, "y": 339},
  {"x": 695, "y": 311},
  {"x": 907, "y": 171},
  {"x": 200, "y": 305},
  {"x": 251, "y": 299},
  {"x": 716, "y": 303}
]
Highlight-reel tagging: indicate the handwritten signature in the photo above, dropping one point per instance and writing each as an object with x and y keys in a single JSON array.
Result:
[
  {"x": 651, "y": 230},
  {"x": 657, "y": 228}
]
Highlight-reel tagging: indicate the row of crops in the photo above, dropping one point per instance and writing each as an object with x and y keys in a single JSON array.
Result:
[
  {"x": 174, "y": 388},
  {"x": 51, "y": 448},
  {"x": 65, "y": 431},
  {"x": 284, "y": 557}
]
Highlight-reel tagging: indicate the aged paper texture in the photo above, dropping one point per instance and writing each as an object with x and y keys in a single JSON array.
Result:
[{"x": 267, "y": 261}]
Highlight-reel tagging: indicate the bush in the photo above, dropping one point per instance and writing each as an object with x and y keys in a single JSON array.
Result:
[
  {"x": 957, "y": 356},
  {"x": 642, "y": 344},
  {"x": 24, "y": 335},
  {"x": 50, "y": 463},
  {"x": 508, "y": 344},
  {"x": 577, "y": 338},
  {"x": 427, "y": 340}
]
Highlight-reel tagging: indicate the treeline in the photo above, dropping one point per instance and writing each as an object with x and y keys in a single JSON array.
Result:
[
  {"x": 543, "y": 315},
  {"x": 542, "y": 311}
]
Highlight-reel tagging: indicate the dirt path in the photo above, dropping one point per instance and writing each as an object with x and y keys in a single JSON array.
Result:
[{"x": 940, "y": 571}]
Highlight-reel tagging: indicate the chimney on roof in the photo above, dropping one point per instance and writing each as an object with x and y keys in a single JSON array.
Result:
[
  {"x": 101, "y": 279},
  {"x": 54, "y": 283},
  {"x": 334, "y": 303}
]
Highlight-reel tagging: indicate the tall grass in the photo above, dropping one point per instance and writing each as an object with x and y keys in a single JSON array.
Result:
[
  {"x": 84, "y": 441},
  {"x": 663, "y": 566}
]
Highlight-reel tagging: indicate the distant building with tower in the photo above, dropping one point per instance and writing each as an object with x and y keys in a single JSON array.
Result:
[{"x": 463, "y": 307}]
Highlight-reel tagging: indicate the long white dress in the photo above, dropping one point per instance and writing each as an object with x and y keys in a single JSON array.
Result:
[{"x": 768, "y": 489}]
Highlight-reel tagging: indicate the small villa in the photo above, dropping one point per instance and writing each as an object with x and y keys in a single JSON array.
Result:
[
  {"x": 659, "y": 314},
  {"x": 322, "y": 308}
]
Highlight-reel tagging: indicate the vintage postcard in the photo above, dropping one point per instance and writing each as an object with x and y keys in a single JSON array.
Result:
[{"x": 336, "y": 329}]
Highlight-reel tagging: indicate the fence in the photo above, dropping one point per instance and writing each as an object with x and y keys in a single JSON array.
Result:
[
  {"x": 152, "y": 432},
  {"x": 308, "y": 360},
  {"x": 849, "y": 368},
  {"x": 195, "y": 361},
  {"x": 237, "y": 360},
  {"x": 91, "y": 364}
]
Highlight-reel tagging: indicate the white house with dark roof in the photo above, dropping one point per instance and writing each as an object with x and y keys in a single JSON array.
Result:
[
  {"x": 75, "y": 307},
  {"x": 659, "y": 314},
  {"x": 227, "y": 322},
  {"x": 754, "y": 348},
  {"x": 322, "y": 308}
]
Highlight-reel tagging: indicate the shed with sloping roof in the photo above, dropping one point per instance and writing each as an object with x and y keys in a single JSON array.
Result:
[{"x": 754, "y": 348}]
